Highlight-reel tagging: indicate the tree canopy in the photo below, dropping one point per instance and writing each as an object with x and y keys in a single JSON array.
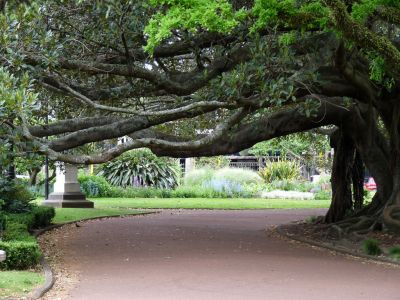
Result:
[{"x": 203, "y": 78}]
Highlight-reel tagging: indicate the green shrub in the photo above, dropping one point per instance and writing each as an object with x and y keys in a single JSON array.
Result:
[
  {"x": 41, "y": 216},
  {"x": 94, "y": 186},
  {"x": 198, "y": 176},
  {"x": 141, "y": 168},
  {"x": 371, "y": 247},
  {"x": 214, "y": 162},
  {"x": 280, "y": 170},
  {"x": 17, "y": 232},
  {"x": 394, "y": 252},
  {"x": 197, "y": 192},
  {"x": 20, "y": 255},
  {"x": 3, "y": 220},
  {"x": 283, "y": 185},
  {"x": 15, "y": 195},
  {"x": 323, "y": 195},
  {"x": 239, "y": 176}
]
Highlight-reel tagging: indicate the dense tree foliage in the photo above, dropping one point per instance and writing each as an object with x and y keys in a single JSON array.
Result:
[{"x": 202, "y": 78}]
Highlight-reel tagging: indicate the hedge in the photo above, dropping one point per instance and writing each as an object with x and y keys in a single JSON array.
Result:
[
  {"x": 21, "y": 248},
  {"x": 20, "y": 255}
]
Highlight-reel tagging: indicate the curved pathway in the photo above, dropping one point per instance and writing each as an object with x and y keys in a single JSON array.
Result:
[{"x": 214, "y": 255}]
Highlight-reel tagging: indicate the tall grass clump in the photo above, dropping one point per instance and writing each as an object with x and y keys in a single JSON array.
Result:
[
  {"x": 371, "y": 247},
  {"x": 198, "y": 176},
  {"x": 394, "y": 252},
  {"x": 280, "y": 170},
  {"x": 238, "y": 176}
]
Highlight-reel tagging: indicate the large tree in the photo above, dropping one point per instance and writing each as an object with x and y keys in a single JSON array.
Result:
[{"x": 202, "y": 78}]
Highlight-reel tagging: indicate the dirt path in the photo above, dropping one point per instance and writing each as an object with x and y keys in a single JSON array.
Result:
[{"x": 214, "y": 255}]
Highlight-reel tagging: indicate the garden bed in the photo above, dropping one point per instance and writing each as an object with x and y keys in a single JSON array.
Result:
[{"x": 380, "y": 245}]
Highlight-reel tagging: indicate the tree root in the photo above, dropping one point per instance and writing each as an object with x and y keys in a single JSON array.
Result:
[
  {"x": 391, "y": 218},
  {"x": 356, "y": 227}
]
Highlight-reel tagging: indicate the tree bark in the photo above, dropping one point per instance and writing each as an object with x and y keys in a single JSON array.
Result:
[{"x": 341, "y": 177}]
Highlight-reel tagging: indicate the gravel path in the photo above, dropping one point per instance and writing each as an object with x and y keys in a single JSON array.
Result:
[{"x": 213, "y": 255}]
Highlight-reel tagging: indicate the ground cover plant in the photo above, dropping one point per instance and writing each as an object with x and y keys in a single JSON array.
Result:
[{"x": 371, "y": 247}]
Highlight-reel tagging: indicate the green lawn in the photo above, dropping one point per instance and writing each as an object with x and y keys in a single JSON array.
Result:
[
  {"x": 18, "y": 283},
  {"x": 64, "y": 215},
  {"x": 200, "y": 203}
]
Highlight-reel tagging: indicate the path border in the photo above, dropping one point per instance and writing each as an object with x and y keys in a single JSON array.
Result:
[
  {"x": 376, "y": 259},
  {"x": 40, "y": 291}
]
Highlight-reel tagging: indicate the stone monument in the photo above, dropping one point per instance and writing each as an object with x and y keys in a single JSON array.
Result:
[{"x": 67, "y": 191}]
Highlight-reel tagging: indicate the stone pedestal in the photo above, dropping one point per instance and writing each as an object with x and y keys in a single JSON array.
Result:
[{"x": 67, "y": 192}]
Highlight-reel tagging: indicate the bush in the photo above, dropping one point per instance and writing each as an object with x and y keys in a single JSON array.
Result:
[
  {"x": 15, "y": 195},
  {"x": 394, "y": 252},
  {"x": 94, "y": 186},
  {"x": 20, "y": 255},
  {"x": 323, "y": 195},
  {"x": 141, "y": 168},
  {"x": 280, "y": 170},
  {"x": 198, "y": 176},
  {"x": 214, "y": 162},
  {"x": 3, "y": 220},
  {"x": 17, "y": 232},
  {"x": 238, "y": 176},
  {"x": 226, "y": 187},
  {"x": 371, "y": 247},
  {"x": 39, "y": 216}
]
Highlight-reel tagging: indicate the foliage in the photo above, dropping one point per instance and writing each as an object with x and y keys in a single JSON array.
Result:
[
  {"x": 214, "y": 162},
  {"x": 394, "y": 252},
  {"x": 280, "y": 170},
  {"x": 15, "y": 195},
  {"x": 21, "y": 255},
  {"x": 371, "y": 247},
  {"x": 39, "y": 216},
  {"x": 140, "y": 167},
  {"x": 323, "y": 195},
  {"x": 17, "y": 232},
  {"x": 94, "y": 186},
  {"x": 238, "y": 176},
  {"x": 197, "y": 177},
  {"x": 3, "y": 220},
  {"x": 196, "y": 191},
  {"x": 217, "y": 16},
  {"x": 299, "y": 144},
  {"x": 22, "y": 248},
  {"x": 312, "y": 219},
  {"x": 230, "y": 188},
  {"x": 225, "y": 182}
]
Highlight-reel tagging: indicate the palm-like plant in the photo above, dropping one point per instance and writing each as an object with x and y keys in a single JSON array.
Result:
[{"x": 141, "y": 168}]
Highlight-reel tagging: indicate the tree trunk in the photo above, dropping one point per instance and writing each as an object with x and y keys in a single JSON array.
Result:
[
  {"x": 341, "y": 177},
  {"x": 358, "y": 182}
]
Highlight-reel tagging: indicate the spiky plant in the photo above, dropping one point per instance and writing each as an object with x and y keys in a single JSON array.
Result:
[{"x": 141, "y": 168}]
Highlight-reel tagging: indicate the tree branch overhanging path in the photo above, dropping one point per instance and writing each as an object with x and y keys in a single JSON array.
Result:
[{"x": 167, "y": 77}]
